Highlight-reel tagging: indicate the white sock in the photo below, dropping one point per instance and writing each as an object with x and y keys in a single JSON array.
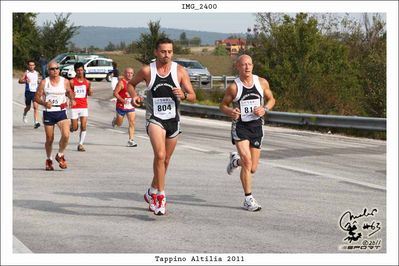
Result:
[
  {"x": 248, "y": 197},
  {"x": 161, "y": 192},
  {"x": 153, "y": 190},
  {"x": 82, "y": 137}
]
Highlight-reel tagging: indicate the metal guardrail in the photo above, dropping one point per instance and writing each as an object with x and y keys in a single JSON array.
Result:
[
  {"x": 198, "y": 80},
  {"x": 301, "y": 119}
]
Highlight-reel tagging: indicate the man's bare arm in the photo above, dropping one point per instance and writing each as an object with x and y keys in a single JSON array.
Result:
[{"x": 228, "y": 98}]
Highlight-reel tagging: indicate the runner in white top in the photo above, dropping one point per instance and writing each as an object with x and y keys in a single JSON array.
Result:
[
  {"x": 31, "y": 80},
  {"x": 251, "y": 98},
  {"x": 51, "y": 94},
  {"x": 167, "y": 84}
]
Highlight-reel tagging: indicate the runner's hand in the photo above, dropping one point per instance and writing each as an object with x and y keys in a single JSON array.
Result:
[
  {"x": 235, "y": 113},
  {"x": 48, "y": 104},
  {"x": 178, "y": 92},
  {"x": 259, "y": 111},
  {"x": 137, "y": 101}
]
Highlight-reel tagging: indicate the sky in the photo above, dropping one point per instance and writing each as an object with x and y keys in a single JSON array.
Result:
[
  {"x": 211, "y": 22},
  {"x": 214, "y": 22}
]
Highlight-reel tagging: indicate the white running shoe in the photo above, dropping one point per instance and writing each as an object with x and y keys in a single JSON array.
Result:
[
  {"x": 131, "y": 143},
  {"x": 251, "y": 204},
  {"x": 230, "y": 167},
  {"x": 24, "y": 119},
  {"x": 161, "y": 205},
  {"x": 151, "y": 200}
]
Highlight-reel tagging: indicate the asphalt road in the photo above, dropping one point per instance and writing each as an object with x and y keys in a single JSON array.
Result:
[{"x": 305, "y": 182}]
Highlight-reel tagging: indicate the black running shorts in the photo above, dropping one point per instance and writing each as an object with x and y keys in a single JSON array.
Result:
[
  {"x": 172, "y": 127},
  {"x": 52, "y": 118},
  {"x": 242, "y": 132}
]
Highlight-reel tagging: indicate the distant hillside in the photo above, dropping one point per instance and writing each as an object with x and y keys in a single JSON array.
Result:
[{"x": 101, "y": 36}]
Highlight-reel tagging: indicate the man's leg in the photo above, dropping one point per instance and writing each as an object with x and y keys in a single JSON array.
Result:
[
  {"x": 65, "y": 131},
  {"x": 74, "y": 124},
  {"x": 255, "y": 155},
  {"x": 36, "y": 114},
  {"x": 49, "y": 130},
  {"x": 83, "y": 127},
  {"x": 82, "y": 133},
  {"x": 248, "y": 160},
  {"x": 26, "y": 110},
  {"x": 131, "y": 116},
  {"x": 117, "y": 120},
  {"x": 244, "y": 151},
  {"x": 158, "y": 139},
  {"x": 64, "y": 128},
  {"x": 170, "y": 145}
]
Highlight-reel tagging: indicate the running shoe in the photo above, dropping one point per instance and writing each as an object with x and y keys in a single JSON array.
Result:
[
  {"x": 113, "y": 123},
  {"x": 24, "y": 119},
  {"x": 230, "y": 166},
  {"x": 81, "y": 147},
  {"x": 49, "y": 165},
  {"x": 131, "y": 143},
  {"x": 37, "y": 125},
  {"x": 161, "y": 205},
  {"x": 61, "y": 160},
  {"x": 151, "y": 199},
  {"x": 251, "y": 204}
]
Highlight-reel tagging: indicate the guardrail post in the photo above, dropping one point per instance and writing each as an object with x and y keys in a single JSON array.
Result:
[
  {"x": 225, "y": 82},
  {"x": 199, "y": 81},
  {"x": 211, "y": 80}
]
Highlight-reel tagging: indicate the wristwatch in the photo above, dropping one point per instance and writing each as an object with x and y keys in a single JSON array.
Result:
[{"x": 185, "y": 95}]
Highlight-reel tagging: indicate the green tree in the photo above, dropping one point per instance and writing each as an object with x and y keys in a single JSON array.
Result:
[
  {"x": 25, "y": 36},
  {"x": 131, "y": 48},
  {"x": 147, "y": 42},
  {"x": 308, "y": 71},
  {"x": 220, "y": 50},
  {"x": 110, "y": 47},
  {"x": 55, "y": 36},
  {"x": 183, "y": 39},
  {"x": 195, "y": 41},
  {"x": 372, "y": 64}
]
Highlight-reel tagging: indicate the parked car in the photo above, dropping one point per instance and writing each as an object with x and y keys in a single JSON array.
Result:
[
  {"x": 195, "y": 70},
  {"x": 95, "y": 68},
  {"x": 66, "y": 59}
]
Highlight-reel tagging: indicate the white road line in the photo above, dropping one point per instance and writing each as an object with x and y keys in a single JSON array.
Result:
[
  {"x": 19, "y": 247},
  {"x": 114, "y": 130},
  {"x": 352, "y": 181},
  {"x": 194, "y": 148},
  {"x": 19, "y": 104}
]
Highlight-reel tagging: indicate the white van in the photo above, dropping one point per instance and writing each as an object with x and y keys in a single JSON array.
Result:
[{"x": 95, "y": 68}]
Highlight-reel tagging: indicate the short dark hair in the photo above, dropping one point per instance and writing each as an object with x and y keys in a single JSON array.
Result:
[
  {"x": 162, "y": 41},
  {"x": 31, "y": 61},
  {"x": 78, "y": 65}
]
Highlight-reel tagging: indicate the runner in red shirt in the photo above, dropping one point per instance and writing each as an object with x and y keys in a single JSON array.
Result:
[
  {"x": 124, "y": 105},
  {"x": 82, "y": 88}
]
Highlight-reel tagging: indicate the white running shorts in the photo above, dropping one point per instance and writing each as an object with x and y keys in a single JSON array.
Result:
[{"x": 75, "y": 113}]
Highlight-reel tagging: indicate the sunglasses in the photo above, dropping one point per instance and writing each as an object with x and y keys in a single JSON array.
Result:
[{"x": 54, "y": 68}]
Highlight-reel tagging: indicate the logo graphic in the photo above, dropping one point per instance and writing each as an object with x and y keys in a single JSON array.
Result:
[{"x": 361, "y": 230}]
